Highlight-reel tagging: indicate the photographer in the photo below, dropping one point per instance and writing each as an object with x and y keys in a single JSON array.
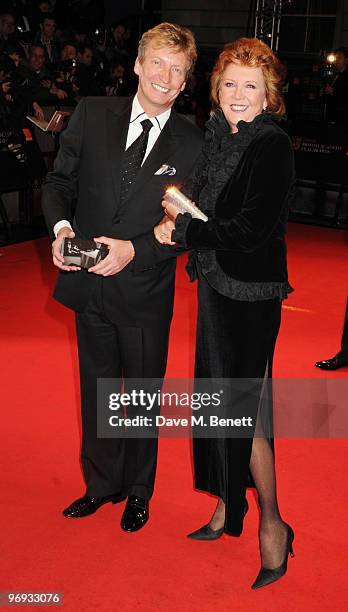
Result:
[
  {"x": 17, "y": 97},
  {"x": 115, "y": 50},
  {"x": 119, "y": 83},
  {"x": 7, "y": 29},
  {"x": 40, "y": 78},
  {"x": 9, "y": 33},
  {"x": 89, "y": 79},
  {"x": 64, "y": 73},
  {"x": 46, "y": 38}
]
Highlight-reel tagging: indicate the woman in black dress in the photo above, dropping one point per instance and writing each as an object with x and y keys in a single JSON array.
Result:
[{"x": 243, "y": 183}]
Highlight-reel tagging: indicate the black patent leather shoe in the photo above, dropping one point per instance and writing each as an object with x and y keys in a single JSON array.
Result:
[
  {"x": 86, "y": 505},
  {"x": 332, "y": 364},
  {"x": 135, "y": 514},
  {"x": 267, "y": 576},
  {"x": 207, "y": 533}
]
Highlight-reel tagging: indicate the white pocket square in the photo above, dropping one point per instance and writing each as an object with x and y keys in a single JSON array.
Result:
[{"x": 170, "y": 170}]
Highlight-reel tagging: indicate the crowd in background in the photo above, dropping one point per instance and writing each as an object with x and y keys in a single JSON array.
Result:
[
  {"x": 45, "y": 61},
  {"x": 52, "y": 54}
]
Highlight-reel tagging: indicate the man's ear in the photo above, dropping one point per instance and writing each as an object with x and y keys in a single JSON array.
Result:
[
  {"x": 136, "y": 66},
  {"x": 183, "y": 86}
]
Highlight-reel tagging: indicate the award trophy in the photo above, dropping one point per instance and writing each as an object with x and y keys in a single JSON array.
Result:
[
  {"x": 183, "y": 204},
  {"x": 83, "y": 253}
]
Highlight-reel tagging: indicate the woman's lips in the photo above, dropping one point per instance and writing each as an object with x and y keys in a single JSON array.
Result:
[{"x": 239, "y": 108}]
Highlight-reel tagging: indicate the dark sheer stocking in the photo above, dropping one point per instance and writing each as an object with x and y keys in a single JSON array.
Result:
[
  {"x": 218, "y": 519},
  {"x": 272, "y": 531}
]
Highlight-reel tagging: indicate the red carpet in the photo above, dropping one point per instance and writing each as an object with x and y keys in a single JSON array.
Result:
[{"x": 95, "y": 564}]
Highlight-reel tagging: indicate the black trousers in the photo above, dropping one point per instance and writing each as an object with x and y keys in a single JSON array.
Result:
[{"x": 112, "y": 465}]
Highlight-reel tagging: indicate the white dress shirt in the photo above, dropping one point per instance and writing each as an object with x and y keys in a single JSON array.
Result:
[{"x": 134, "y": 130}]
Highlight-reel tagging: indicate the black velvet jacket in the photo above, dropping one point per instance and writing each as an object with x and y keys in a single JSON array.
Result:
[{"x": 244, "y": 183}]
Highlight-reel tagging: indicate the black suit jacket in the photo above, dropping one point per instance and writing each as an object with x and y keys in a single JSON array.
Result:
[{"x": 88, "y": 171}]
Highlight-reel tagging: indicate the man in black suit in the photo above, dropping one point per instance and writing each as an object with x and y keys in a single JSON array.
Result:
[
  {"x": 46, "y": 38},
  {"x": 124, "y": 303}
]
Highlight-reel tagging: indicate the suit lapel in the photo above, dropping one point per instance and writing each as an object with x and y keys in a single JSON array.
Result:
[{"x": 117, "y": 123}]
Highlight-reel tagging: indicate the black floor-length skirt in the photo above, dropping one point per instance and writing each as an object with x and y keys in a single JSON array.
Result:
[{"x": 235, "y": 340}]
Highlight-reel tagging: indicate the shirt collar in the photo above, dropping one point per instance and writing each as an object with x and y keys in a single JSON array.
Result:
[{"x": 139, "y": 113}]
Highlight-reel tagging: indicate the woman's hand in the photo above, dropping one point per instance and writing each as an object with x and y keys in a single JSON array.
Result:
[
  {"x": 163, "y": 231},
  {"x": 171, "y": 211}
]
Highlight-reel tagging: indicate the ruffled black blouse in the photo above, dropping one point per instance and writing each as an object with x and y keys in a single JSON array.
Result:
[{"x": 244, "y": 183}]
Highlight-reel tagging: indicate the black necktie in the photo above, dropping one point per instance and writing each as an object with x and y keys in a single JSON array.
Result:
[{"x": 133, "y": 157}]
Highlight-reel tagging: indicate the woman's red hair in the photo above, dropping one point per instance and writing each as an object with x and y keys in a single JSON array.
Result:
[{"x": 254, "y": 53}]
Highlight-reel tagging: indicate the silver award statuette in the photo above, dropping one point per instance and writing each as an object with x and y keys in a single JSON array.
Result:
[{"x": 183, "y": 204}]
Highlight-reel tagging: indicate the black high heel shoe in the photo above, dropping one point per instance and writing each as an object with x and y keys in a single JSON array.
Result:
[
  {"x": 267, "y": 576},
  {"x": 207, "y": 533}
]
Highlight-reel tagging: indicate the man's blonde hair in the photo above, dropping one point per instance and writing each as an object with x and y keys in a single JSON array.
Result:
[{"x": 170, "y": 35}]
